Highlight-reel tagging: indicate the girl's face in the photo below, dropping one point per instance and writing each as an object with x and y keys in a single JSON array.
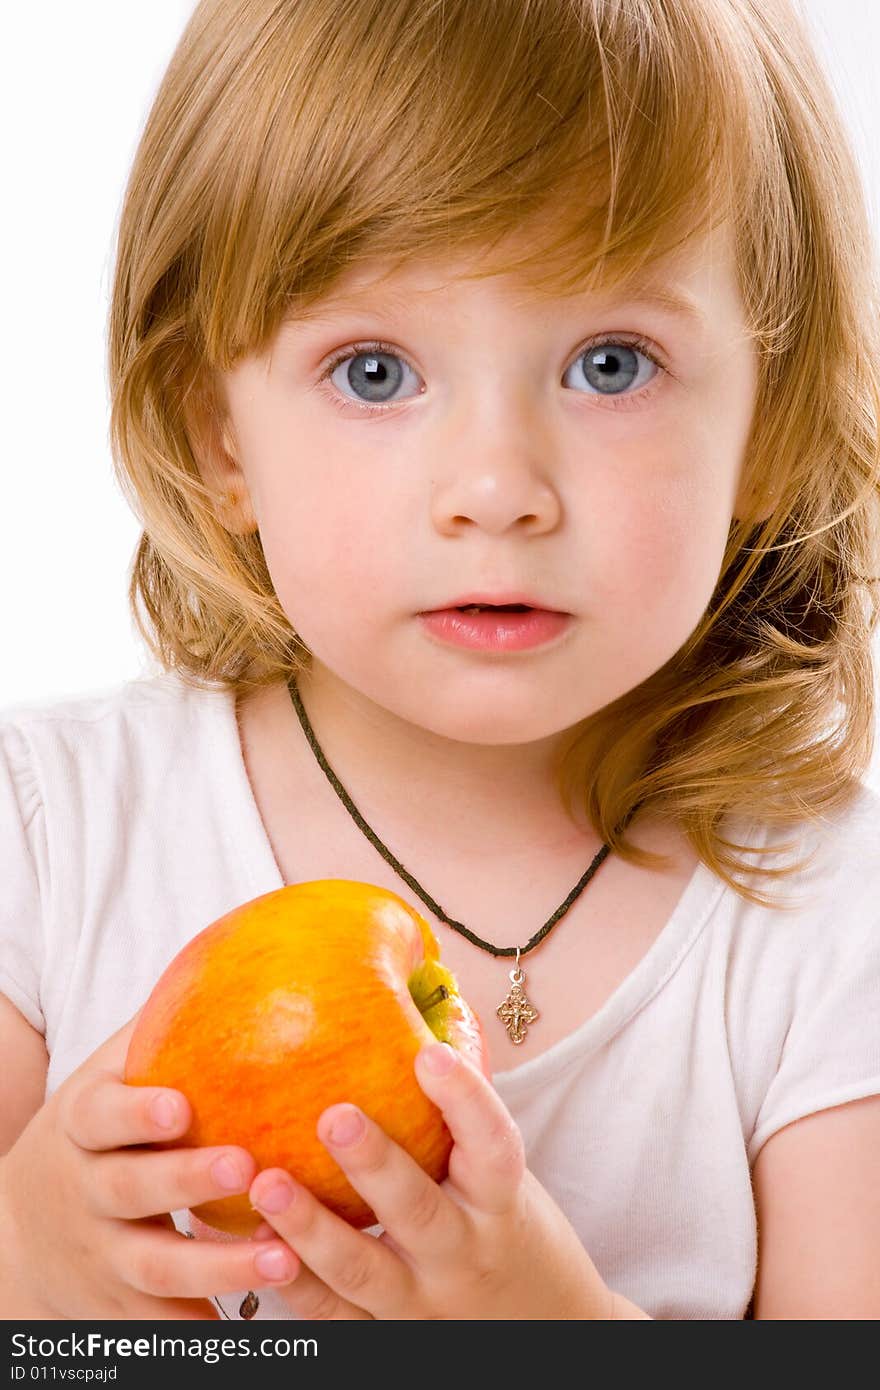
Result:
[{"x": 496, "y": 441}]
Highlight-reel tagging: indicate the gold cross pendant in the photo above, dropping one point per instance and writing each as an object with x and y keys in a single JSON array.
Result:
[{"x": 517, "y": 1012}]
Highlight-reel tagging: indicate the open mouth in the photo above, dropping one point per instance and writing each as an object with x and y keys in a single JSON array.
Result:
[{"x": 496, "y": 608}]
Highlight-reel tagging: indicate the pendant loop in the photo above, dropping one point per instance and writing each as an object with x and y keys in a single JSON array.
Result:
[{"x": 516, "y": 975}]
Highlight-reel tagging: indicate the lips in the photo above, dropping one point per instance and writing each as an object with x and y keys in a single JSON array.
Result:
[
  {"x": 495, "y": 628},
  {"x": 502, "y": 603}
]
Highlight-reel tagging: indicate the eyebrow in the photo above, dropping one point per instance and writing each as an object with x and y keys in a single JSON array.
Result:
[{"x": 668, "y": 298}]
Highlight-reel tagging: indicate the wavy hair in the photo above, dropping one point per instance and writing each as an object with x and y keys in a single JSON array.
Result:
[{"x": 620, "y": 131}]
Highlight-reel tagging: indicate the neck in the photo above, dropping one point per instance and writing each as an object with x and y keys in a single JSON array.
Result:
[{"x": 485, "y": 799}]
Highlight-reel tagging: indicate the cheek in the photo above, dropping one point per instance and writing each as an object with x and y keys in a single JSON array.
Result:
[
  {"x": 318, "y": 508},
  {"x": 328, "y": 548},
  {"x": 666, "y": 511},
  {"x": 655, "y": 559}
]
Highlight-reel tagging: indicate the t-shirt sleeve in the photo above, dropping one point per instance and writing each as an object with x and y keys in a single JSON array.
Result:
[
  {"x": 831, "y": 1053},
  {"x": 22, "y": 852}
]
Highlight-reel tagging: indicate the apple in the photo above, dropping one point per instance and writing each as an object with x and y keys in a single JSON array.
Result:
[{"x": 315, "y": 993}]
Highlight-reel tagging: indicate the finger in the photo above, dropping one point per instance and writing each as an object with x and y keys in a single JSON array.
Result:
[
  {"x": 487, "y": 1163},
  {"x": 421, "y": 1217},
  {"x": 106, "y": 1113},
  {"x": 309, "y": 1297},
  {"x": 353, "y": 1266},
  {"x": 140, "y": 1307},
  {"x": 96, "y": 1097},
  {"x": 158, "y": 1262},
  {"x": 148, "y": 1183}
]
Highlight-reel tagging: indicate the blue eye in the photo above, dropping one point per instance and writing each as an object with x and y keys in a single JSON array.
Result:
[
  {"x": 369, "y": 374},
  {"x": 373, "y": 371},
  {"x": 611, "y": 367}
]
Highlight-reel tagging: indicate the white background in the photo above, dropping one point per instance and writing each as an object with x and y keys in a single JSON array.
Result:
[{"x": 78, "y": 83}]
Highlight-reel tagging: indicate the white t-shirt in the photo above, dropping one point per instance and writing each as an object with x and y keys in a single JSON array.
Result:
[{"x": 128, "y": 823}]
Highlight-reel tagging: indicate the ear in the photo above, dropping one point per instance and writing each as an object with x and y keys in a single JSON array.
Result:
[{"x": 214, "y": 447}]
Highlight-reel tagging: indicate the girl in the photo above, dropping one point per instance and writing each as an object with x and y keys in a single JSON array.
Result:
[{"x": 418, "y": 310}]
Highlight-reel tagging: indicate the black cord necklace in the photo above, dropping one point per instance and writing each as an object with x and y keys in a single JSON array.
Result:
[{"x": 516, "y": 1011}]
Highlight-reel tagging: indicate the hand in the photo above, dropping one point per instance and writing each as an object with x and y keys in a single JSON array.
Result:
[
  {"x": 489, "y": 1242},
  {"x": 85, "y": 1211}
]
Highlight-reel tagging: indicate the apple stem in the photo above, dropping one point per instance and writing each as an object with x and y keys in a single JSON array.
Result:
[{"x": 437, "y": 997}]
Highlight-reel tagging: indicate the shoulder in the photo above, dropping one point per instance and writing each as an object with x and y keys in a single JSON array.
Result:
[
  {"x": 850, "y": 833},
  {"x": 823, "y": 917},
  {"x": 85, "y": 780},
  {"x": 164, "y": 691},
  {"x": 95, "y": 755},
  {"x": 826, "y": 916},
  {"x": 802, "y": 984},
  {"x": 829, "y": 871},
  {"x": 800, "y": 980},
  {"x": 37, "y": 735},
  {"x": 838, "y": 889}
]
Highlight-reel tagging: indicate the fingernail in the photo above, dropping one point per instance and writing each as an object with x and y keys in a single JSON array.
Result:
[
  {"x": 439, "y": 1059},
  {"x": 276, "y": 1197},
  {"x": 347, "y": 1126},
  {"x": 227, "y": 1173},
  {"x": 274, "y": 1264},
  {"x": 164, "y": 1111}
]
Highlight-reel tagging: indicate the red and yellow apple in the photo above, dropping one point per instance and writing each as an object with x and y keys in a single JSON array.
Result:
[{"x": 315, "y": 993}]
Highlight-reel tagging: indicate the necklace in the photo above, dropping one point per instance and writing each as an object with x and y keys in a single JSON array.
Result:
[{"x": 516, "y": 1012}]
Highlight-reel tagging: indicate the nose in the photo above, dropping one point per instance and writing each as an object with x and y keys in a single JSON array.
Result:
[{"x": 493, "y": 470}]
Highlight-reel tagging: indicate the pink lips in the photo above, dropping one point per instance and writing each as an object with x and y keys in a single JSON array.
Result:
[{"x": 493, "y": 630}]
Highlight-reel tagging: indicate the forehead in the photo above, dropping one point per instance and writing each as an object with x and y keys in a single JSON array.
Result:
[{"x": 693, "y": 285}]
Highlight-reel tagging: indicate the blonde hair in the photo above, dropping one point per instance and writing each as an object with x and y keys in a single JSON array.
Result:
[{"x": 291, "y": 140}]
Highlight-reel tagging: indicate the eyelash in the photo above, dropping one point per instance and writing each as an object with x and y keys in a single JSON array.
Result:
[{"x": 609, "y": 402}]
